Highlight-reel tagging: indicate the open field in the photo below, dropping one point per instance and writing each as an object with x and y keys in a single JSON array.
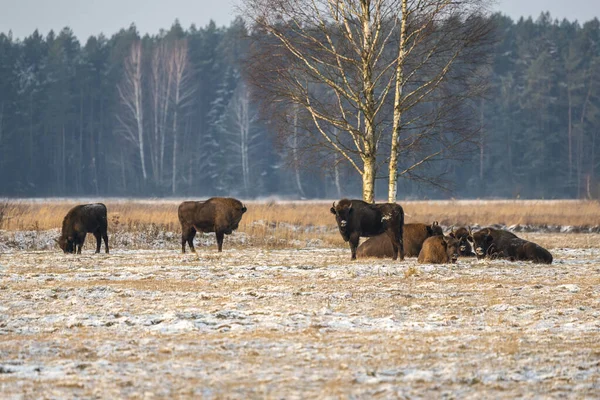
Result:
[
  {"x": 256, "y": 323},
  {"x": 283, "y": 313}
]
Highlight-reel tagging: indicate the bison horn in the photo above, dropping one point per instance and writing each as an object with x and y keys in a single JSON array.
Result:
[
  {"x": 334, "y": 204},
  {"x": 435, "y": 223},
  {"x": 350, "y": 206}
]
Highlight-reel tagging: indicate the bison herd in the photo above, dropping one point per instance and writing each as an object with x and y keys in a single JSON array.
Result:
[{"x": 382, "y": 223}]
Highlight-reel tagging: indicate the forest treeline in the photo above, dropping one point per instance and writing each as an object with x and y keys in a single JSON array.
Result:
[{"x": 172, "y": 115}]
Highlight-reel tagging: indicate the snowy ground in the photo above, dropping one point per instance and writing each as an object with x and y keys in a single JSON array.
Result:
[{"x": 254, "y": 323}]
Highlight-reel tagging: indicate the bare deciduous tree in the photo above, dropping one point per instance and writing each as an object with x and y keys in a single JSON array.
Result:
[
  {"x": 381, "y": 60},
  {"x": 182, "y": 94},
  {"x": 442, "y": 46},
  {"x": 241, "y": 134},
  {"x": 161, "y": 76},
  {"x": 130, "y": 91}
]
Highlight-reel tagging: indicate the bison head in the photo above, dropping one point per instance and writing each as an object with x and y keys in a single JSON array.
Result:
[
  {"x": 435, "y": 229},
  {"x": 462, "y": 235},
  {"x": 66, "y": 244},
  {"x": 343, "y": 214},
  {"x": 451, "y": 248},
  {"x": 481, "y": 240}
]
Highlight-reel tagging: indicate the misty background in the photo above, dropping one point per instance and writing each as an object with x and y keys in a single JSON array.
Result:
[{"x": 65, "y": 102}]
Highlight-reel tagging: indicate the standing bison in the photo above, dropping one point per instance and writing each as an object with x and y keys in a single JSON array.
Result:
[
  {"x": 356, "y": 218},
  {"x": 439, "y": 250},
  {"x": 78, "y": 222},
  {"x": 498, "y": 243},
  {"x": 221, "y": 215},
  {"x": 464, "y": 247},
  {"x": 413, "y": 237}
]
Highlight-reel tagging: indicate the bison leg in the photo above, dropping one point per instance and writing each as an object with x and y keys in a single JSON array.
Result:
[
  {"x": 220, "y": 236},
  {"x": 354, "y": 239},
  {"x": 98, "y": 236},
  {"x": 105, "y": 237},
  {"x": 397, "y": 244},
  {"x": 187, "y": 235}
]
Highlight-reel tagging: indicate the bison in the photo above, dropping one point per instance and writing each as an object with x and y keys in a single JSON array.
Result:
[
  {"x": 356, "y": 218},
  {"x": 221, "y": 215},
  {"x": 464, "y": 247},
  {"x": 498, "y": 243},
  {"x": 413, "y": 237},
  {"x": 439, "y": 250},
  {"x": 78, "y": 222}
]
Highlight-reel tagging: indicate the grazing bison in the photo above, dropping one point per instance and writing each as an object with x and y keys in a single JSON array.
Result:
[
  {"x": 439, "y": 250},
  {"x": 413, "y": 237},
  {"x": 356, "y": 218},
  {"x": 221, "y": 215},
  {"x": 464, "y": 247},
  {"x": 498, "y": 243},
  {"x": 78, "y": 222}
]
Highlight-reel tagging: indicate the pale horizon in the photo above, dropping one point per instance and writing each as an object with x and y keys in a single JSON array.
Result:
[{"x": 92, "y": 17}]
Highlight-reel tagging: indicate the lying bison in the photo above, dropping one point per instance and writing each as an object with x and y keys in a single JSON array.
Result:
[
  {"x": 414, "y": 235},
  {"x": 464, "y": 247},
  {"x": 221, "y": 215},
  {"x": 439, "y": 250},
  {"x": 355, "y": 218},
  {"x": 498, "y": 243},
  {"x": 78, "y": 222}
]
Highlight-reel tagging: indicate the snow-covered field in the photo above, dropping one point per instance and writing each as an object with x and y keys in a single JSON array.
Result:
[{"x": 307, "y": 323}]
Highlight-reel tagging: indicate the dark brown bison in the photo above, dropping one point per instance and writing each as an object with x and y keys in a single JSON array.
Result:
[
  {"x": 464, "y": 247},
  {"x": 221, "y": 215},
  {"x": 498, "y": 243},
  {"x": 439, "y": 250},
  {"x": 78, "y": 222},
  {"x": 413, "y": 237},
  {"x": 356, "y": 218}
]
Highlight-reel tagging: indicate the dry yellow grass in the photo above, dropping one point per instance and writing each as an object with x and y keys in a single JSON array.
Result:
[{"x": 275, "y": 224}]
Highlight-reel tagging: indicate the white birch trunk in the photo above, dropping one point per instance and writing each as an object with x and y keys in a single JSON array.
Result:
[
  {"x": 178, "y": 77},
  {"x": 295, "y": 153},
  {"x": 399, "y": 85},
  {"x": 244, "y": 131},
  {"x": 369, "y": 156},
  {"x": 336, "y": 170},
  {"x": 131, "y": 95}
]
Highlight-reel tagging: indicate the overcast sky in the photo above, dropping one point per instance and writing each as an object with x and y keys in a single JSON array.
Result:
[{"x": 90, "y": 17}]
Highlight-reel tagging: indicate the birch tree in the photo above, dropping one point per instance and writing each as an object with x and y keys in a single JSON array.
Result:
[
  {"x": 242, "y": 136},
  {"x": 161, "y": 76},
  {"x": 131, "y": 117},
  {"x": 442, "y": 47},
  {"x": 183, "y": 91},
  {"x": 368, "y": 53}
]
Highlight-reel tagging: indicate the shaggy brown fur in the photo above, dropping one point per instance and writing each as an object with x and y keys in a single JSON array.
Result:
[
  {"x": 464, "y": 247},
  {"x": 439, "y": 250},
  {"x": 414, "y": 235},
  {"x": 356, "y": 218},
  {"x": 498, "y": 243},
  {"x": 78, "y": 222},
  {"x": 221, "y": 215}
]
